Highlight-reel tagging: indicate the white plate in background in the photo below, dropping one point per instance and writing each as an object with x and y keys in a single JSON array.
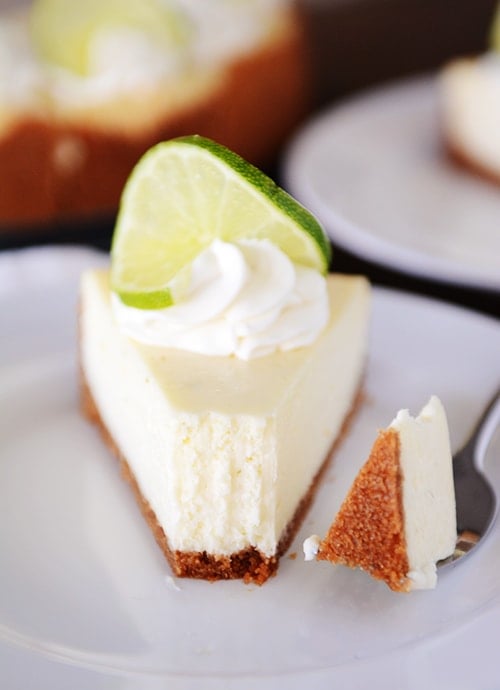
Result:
[{"x": 374, "y": 171}]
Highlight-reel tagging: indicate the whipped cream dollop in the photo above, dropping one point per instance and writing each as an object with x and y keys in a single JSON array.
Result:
[
  {"x": 121, "y": 59},
  {"x": 246, "y": 299},
  {"x": 224, "y": 28}
]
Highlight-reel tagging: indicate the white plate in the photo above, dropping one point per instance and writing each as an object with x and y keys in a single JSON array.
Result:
[
  {"x": 86, "y": 598},
  {"x": 374, "y": 171}
]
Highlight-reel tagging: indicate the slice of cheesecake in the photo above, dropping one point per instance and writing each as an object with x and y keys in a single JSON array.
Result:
[
  {"x": 470, "y": 113},
  {"x": 223, "y": 454},
  {"x": 399, "y": 517}
]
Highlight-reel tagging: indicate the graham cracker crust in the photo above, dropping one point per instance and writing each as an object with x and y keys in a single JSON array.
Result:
[
  {"x": 368, "y": 531},
  {"x": 248, "y": 564},
  {"x": 460, "y": 158}
]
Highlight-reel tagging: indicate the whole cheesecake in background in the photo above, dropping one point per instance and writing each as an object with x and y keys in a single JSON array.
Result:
[
  {"x": 470, "y": 109},
  {"x": 223, "y": 407},
  {"x": 71, "y": 129},
  {"x": 399, "y": 517}
]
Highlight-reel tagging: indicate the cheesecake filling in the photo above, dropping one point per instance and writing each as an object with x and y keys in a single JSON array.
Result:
[
  {"x": 425, "y": 513},
  {"x": 471, "y": 107},
  {"x": 246, "y": 299},
  {"x": 269, "y": 423},
  {"x": 428, "y": 491}
]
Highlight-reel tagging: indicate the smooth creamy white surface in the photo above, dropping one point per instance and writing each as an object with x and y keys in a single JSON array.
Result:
[
  {"x": 223, "y": 449},
  {"x": 471, "y": 107},
  {"x": 122, "y": 58},
  {"x": 245, "y": 299},
  {"x": 428, "y": 490}
]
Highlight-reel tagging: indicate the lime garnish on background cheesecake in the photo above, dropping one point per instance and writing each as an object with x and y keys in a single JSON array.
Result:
[
  {"x": 495, "y": 30},
  {"x": 63, "y": 30},
  {"x": 181, "y": 196}
]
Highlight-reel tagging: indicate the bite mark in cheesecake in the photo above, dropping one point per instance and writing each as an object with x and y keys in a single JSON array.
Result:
[
  {"x": 399, "y": 517},
  {"x": 224, "y": 455}
]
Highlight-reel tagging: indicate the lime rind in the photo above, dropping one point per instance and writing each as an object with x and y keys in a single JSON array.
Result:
[
  {"x": 494, "y": 38},
  {"x": 155, "y": 299},
  {"x": 264, "y": 185},
  {"x": 167, "y": 217}
]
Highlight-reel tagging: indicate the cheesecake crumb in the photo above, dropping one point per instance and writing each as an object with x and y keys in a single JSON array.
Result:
[
  {"x": 311, "y": 547},
  {"x": 172, "y": 584}
]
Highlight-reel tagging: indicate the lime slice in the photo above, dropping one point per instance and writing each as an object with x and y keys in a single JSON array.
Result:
[
  {"x": 495, "y": 31},
  {"x": 62, "y": 30},
  {"x": 182, "y": 195}
]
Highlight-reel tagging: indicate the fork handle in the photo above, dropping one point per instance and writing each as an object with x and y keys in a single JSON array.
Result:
[{"x": 484, "y": 430}]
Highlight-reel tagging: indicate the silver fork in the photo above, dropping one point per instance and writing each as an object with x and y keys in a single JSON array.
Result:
[{"x": 476, "y": 500}]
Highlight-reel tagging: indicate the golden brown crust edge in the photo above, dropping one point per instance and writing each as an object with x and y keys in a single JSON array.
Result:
[
  {"x": 459, "y": 157},
  {"x": 368, "y": 531},
  {"x": 59, "y": 172},
  {"x": 249, "y": 564}
]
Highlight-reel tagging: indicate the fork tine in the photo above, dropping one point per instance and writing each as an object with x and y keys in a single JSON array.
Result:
[
  {"x": 483, "y": 431},
  {"x": 476, "y": 501}
]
